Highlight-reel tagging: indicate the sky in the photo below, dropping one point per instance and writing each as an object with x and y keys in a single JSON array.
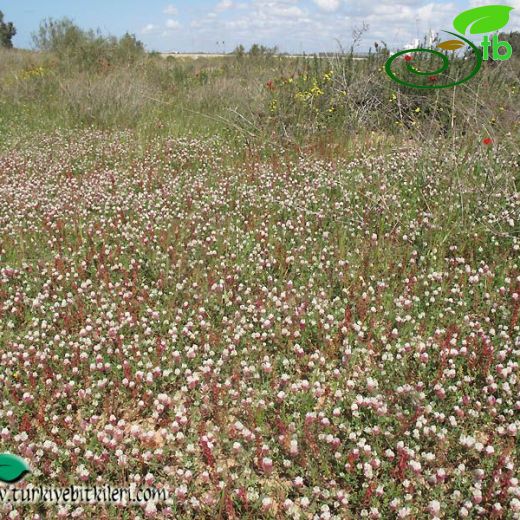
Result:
[{"x": 220, "y": 25}]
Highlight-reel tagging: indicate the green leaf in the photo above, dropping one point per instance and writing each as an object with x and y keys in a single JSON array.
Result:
[
  {"x": 12, "y": 468},
  {"x": 485, "y": 19}
]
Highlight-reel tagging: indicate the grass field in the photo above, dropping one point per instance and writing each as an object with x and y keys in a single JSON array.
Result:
[{"x": 273, "y": 288}]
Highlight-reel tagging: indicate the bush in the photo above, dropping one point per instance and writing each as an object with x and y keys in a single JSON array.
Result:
[
  {"x": 258, "y": 51},
  {"x": 85, "y": 50},
  {"x": 7, "y": 32}
]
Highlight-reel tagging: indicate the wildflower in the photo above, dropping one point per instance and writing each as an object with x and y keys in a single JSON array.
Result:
[
  {"x": 267, "y": 503},
  {"x": 150, "y": 510},
  {"x": 434, "y": 507},
  {"x": 294, "y": 447},
  {"x": 408, "y": 57},
  {"x": 298, "y": 482},
  {"x": 487, "y": 141},
  {"x": 267, "y": 464}
]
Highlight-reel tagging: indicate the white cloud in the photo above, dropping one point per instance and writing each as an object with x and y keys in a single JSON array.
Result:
[
  {"x": 172, "y": 24},
  {"x": 328, "y": 5},
  {"x": 224, "y": 5},
  {"x": 171, "y": 10},
  {"x": 149, "y": 28},
  {"x": 313, "y": 25},
  {"x": 276, "y": 8}
]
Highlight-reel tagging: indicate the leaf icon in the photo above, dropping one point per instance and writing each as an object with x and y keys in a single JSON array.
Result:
[
  {"x": 451, "y": 45},
  {"x": 12, "y": 468},
  {"x": 484, "y": 19}
]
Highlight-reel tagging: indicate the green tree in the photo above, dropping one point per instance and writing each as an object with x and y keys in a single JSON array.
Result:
[
  {"x": 129, "y": 48},
  {"x": 257, "y": 50},
  {"x": 59, "y": 36},
  {"x": 7, "y": 31},
  {"x": 239, "y": 51}
]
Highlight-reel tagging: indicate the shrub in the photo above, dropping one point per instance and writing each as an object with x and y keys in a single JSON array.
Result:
[
  {"x": 7, "y": 32},
  {"x": 85, "y": 50}
]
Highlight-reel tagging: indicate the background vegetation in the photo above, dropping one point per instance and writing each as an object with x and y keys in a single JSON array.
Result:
[
  {"x": 7, "y": 32},
  {"x": 82, "y": 78}
]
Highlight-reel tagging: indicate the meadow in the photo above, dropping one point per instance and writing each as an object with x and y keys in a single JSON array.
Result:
[{"x": 274, "y": 287}]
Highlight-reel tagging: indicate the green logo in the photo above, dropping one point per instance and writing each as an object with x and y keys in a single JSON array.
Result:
[
  {"x": 480, "y": 20},
  {"x": 12, "y": 468}
]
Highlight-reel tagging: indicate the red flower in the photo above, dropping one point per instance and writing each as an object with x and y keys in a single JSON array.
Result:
[
  {"x": 270, "y": 85},
  {"x": 408, "y": 57},
  {"x": 487, "y": 141},
  {"x": 433, "y": 79}
]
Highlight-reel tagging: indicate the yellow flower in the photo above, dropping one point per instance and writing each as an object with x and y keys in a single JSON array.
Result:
[{"x": 316, "y": 90}]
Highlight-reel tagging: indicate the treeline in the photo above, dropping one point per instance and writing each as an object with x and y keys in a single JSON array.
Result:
[{"x": 256, "y": 50}]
